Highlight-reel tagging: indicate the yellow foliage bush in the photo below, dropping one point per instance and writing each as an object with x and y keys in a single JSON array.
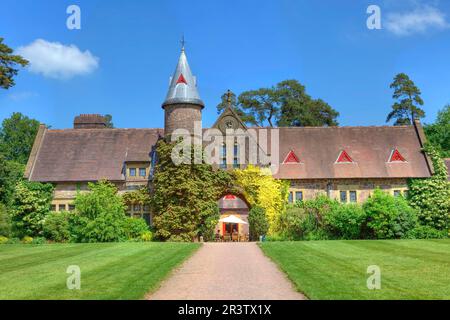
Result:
[{"x": 261, "y": 189}]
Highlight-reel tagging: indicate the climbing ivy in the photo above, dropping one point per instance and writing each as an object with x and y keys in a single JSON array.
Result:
[
  {"x": 431, "y": 196},
  {"x": 185, "y": 196},
  {"x": 262, "y": 190}
]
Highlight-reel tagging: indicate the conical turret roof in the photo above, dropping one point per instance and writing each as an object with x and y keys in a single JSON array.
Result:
[{"x": 183, "y": 86}]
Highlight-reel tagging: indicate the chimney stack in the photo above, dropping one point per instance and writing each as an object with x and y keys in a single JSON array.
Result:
[{"x": 89, "y": 121}]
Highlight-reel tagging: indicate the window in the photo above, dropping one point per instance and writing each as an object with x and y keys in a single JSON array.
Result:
[
  {"x": 344, "y": 157},
  {"x": 132, "y": 172},
  {"x": 299, "y": 196},
  {"x": 62, "y": 207},
  {"x": 146, "y": 208},
  {"x": 236, "y": 156},
  {"x": 353, "y": 196},
  {"x": 53, "y": 207},
  {"x": 343, "y": 196},
  {"x": 148, "y": 219},
  {"x": 142, "y": 172},
  {"x": 405, "y": 194},
  {"x": 291, "y": 197},
  {"x": 397, "y": 193},
  {"x": 137, "y": 207},
  {"x": 223, "y": 157},
  {"x": 71, "y": 207},
  {"x": 291, "y": 158}
]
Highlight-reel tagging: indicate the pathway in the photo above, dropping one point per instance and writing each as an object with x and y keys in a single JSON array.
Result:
[{"x": 227, "y": 271}]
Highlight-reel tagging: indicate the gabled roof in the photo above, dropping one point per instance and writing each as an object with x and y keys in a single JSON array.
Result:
[
  {"x": 183, "y": 85},
  {"x": 90, "y": 154},
  {"x": 370, "y": 147}
]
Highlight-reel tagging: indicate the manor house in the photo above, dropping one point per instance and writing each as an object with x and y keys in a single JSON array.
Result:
[{"x": 345, "y": 163}]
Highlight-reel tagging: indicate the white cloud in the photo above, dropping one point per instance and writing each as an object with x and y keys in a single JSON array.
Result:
[
  {"x": 55, "y": 60},
  {"x": 420, "y": 20}
]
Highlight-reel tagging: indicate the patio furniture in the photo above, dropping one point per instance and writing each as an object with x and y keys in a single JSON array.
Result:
[
  {"x": 227, "y": 237},
  {"x": 235, "y": 237}
]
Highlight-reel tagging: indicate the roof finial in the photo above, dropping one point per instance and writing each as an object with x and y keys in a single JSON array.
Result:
[
  {"x": 182, "y": 42},
  {"x": 229, "y": 98}
]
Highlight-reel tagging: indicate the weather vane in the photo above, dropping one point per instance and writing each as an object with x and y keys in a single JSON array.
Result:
[{"x": 182, "y": 42}]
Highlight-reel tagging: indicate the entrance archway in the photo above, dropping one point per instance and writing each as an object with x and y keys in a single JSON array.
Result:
[{"x": 236, "y": 205}]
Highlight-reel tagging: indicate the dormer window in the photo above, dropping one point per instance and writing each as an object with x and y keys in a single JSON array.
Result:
[
  {"x": 291, "y": 158},
  {"x": 344, "y": 157},
  {"x": 396, "y": 156}
]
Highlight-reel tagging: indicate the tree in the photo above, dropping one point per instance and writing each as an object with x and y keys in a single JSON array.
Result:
[
  {"x": 184, "y": 199},
  {"x": 407, "y": 107},
  {"x": 299, "y": 110},
  {"x": 438, "y": 133},
  {"x": 257, "y": 223},
  {"x": 11, "y": 172},
  {"x": 8, "y": 65},
  {"x": 230, "y": 99},
  {"x": 108, "y": 120},
  {"x": 260, "y": 105},
  {"x": 30, "y": 205},
  {"x": 285, "y": 104},
  {"x": 17, "y": 136}
]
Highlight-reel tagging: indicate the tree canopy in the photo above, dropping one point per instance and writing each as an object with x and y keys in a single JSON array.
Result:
[
  {"x": 285, "y": 104},
  {"x": 17, "y": 135},
  {"x": 438, "y": 133},
  {"x": 408, "y": 101},
  {"x": 9, "y": 65}
]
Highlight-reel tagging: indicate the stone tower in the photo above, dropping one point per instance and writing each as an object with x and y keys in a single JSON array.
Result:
[{"x": 183, "y": 106}]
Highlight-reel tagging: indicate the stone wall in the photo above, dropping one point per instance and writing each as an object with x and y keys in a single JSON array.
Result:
[
  {"x": 181, "y": 116},
  {"x": 363, "y": 187}
]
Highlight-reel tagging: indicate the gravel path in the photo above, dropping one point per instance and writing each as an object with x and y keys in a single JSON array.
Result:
[{"x": 228, "y": 271}]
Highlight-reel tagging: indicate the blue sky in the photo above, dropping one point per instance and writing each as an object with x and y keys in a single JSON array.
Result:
[{"x": 239, "y": 45}]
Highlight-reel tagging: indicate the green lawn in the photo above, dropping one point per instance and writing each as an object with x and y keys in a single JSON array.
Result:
[
  {"x": 108, "y": 271},
  {"x": 410, "y": 269}
]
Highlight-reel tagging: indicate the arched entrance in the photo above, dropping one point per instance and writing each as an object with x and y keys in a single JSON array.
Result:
[{"x": 233, "y": 205}]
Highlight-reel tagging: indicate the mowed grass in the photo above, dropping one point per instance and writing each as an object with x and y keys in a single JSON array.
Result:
[
  {"x": 410, "y": 269},
  {"x": 108, "y": 271}
]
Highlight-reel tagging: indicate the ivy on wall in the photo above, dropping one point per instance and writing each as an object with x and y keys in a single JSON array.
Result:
[
  {"x": 431, "y": 196},
  {"x": 262, "y": 190},
  {"x": 185, "y": 197}
]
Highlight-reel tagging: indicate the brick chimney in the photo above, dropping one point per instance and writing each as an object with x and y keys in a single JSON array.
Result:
[{"x": 89, "y": 121}]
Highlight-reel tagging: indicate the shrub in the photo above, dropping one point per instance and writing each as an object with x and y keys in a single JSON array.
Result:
[
  {"x": 5, "y": 221},
  {"x": 208, "y": 227},
  {"x": 147, "y": 236},
  {"x": 426, "y": 232},
  {"x": 291, "y": 223},
  {"x": 56, "y": 226},
  {"x": 39, "y": 240},
  {"x": 100, "y": 214},
  {"x": 3, "y": 240},
  {"x": 30, "y": 205},
  {"x": 258, "y": 222},
  {"x": 13, "y": 241},
  {"x": 345, "y": 221},
  {"x": 134, "y": 228},
  {"x": 27, "y": 240},
  {"x": 389, "y": 217}
]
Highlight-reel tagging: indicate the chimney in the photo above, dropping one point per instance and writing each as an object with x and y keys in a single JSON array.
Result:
[{"x": 89, "y": 121}]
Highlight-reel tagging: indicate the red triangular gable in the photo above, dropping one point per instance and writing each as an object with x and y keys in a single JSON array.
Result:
[
  {"x": 291, "y": 158},
  {"x": 396, "y": 156},
  {"x": 181, "y": 79},
  {"x": 344, "y": 157}
]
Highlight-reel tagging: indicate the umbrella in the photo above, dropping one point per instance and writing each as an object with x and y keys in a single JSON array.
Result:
[{"x": 233, "y": 219}]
